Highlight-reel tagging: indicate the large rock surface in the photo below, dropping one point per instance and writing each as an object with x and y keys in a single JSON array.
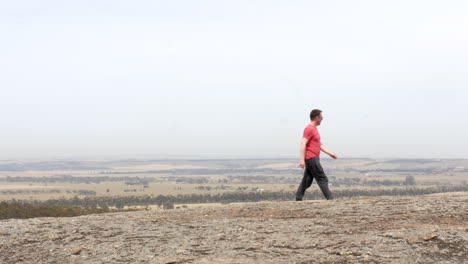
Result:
[{"x": 420, "y": 229}]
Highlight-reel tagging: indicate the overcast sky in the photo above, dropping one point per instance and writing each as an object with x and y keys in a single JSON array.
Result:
[{"x": 233, "y": 78}]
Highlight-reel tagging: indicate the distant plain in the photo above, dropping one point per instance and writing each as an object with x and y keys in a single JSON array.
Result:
[{"x": 42, "y": 180}]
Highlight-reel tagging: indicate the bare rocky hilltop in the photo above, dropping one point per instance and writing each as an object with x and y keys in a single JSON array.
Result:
[{"x": 417, "y": 229}]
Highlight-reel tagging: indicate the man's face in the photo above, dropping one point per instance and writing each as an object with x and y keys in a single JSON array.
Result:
[{"x": 318, "y": 119}]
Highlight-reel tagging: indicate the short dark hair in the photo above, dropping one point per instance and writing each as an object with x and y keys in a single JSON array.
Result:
[{"x": 314, "y": 113}]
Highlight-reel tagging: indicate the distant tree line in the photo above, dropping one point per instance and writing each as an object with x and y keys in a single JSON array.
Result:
[
  {"x": 261, "y": 179},
  {"x": 229, "y": 197},
  {"x": 13, "y": 192},
  {"x": 253, "y": 179},
  {"x": 210, "y": 171},
  {"x": 79, "y": 179},
  {"x": 191, "y": 180},
  {"x": 354, "y": 181},
  {"x": 17, "y": 209}
]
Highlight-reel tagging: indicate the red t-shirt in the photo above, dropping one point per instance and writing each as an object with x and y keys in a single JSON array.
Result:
[{"x": 313, "y": 145}]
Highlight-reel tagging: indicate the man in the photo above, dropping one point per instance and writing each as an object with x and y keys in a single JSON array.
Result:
[{"x": 310, "y": 158}]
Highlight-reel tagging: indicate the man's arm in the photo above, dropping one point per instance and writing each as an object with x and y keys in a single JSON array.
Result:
[
  {"x": 302, "y": 154},
  {"x": 331, "y": 154}
]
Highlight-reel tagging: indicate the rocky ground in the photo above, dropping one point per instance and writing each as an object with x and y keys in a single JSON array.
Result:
[{"x": 422, "y": 229}]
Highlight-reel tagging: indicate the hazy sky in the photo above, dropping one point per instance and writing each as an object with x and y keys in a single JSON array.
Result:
[{"x": 233, "y": 78}]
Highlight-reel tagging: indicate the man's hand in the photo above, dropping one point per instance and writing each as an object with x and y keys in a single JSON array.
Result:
[
  {"x": 331, "y": 154},
  {"x": 302, "y": 164}
]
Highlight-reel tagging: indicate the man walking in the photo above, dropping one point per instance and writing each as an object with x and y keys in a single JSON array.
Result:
[{"x": 310, "y": 158}]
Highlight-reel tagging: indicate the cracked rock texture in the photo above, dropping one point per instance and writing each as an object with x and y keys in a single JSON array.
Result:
[{"x": 418, "y": 229}]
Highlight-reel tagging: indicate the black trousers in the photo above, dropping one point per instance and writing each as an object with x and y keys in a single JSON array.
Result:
[{"x": 313, "y": 169}]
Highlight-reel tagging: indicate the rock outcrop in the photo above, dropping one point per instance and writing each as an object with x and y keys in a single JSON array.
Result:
[{"x": 418, "y": 229}]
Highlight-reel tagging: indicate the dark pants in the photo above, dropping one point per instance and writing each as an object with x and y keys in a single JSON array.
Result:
[{"x": 313, "y": 169}]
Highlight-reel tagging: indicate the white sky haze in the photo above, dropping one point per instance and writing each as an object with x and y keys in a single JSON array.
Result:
[{"x": 233, "y": 78}]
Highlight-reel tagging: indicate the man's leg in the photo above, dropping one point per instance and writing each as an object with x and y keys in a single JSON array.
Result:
[
  {"x": 322, "y": 179},
  {"x": 306, "y": 182}
]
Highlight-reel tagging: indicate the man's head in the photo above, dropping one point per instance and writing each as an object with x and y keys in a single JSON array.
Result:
[{"x": 316, "y": 116}]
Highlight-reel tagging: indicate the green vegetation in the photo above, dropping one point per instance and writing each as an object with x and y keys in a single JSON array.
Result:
[
  {"x": 167, "y": 201},
  {"x": 16, "y": 209},
  {"x": 96, "y": 205}
]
